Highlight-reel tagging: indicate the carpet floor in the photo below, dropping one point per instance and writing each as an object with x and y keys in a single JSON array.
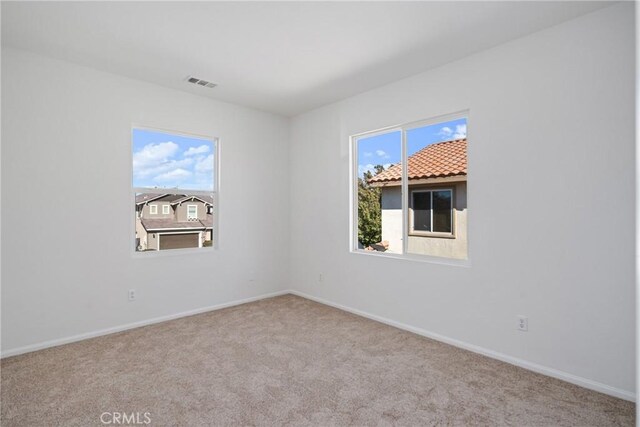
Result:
[{"x": 286, "y": 361}]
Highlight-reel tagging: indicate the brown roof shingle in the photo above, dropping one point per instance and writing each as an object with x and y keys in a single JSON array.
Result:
[
  {"x": 443, "y": 159},
  {"x": 170, "y": 223}
]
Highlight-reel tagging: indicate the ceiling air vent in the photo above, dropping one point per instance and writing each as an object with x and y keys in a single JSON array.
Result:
[{"x": 200, "y": 82}]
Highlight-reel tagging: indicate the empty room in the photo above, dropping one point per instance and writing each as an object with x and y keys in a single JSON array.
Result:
[{"x": 318, "y": 213}]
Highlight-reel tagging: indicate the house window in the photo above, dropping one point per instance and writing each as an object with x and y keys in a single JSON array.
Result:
[
  {"x": 177, "y": 171},
  {"x": 431, "y": 211},
  {"x": 410, "y": 189},
  {"x": 192, "y": 212}
]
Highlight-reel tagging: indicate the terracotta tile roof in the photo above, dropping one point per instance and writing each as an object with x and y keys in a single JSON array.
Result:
[{"x": 443, "y": 159}]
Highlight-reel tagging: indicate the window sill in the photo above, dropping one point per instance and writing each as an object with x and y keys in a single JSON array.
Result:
[
  {"x": 432, "y": 235},
  {"x": 174, "y": 252},
  {"x": 413, "y": 257}
]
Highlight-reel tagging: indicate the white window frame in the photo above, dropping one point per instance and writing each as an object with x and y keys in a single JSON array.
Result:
[
  {"x": 166, "y": 211},
  {"x": 414, "y": 232},
  {"x": 353, "y": 193},
  {"x": 216, "y": 141},
  {"x": 196, "y": 213},
  {"x": 153, "y": 209}
]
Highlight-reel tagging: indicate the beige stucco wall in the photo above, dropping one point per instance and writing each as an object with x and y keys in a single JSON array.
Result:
[{"x": 434, "y": 246}]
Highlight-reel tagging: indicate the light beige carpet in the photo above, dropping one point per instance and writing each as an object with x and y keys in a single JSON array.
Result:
[{"x": 287, "y": 361}]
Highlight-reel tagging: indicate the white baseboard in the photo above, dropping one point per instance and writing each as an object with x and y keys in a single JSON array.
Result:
[
  {"x": 120, "y": 328},
  {"x": 574, "y": 379}
]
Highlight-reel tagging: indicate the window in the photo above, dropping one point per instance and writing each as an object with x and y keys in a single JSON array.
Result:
[
  {"x": 431, "y": 211},
  {"x": 192, "y": 211},
  {"x": 178, "y": 172},
  {"x": 410, "y": 189}
]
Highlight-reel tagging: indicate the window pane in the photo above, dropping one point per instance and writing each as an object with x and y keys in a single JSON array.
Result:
[
  {"x": 192, "y": 212},
  {"x": 442, "y": 211},
  {"x": 422, "y": 211},
  {"x": 437, "y": 165},
  {"x": 174, "y": 180},
  {"x": 188, "y": 223},
  {"x": 379, "y": 192},
  {"x": 163, "y": 160}
]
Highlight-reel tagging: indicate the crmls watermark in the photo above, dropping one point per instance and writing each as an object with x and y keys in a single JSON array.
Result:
[{"x": 124, "y": 418}]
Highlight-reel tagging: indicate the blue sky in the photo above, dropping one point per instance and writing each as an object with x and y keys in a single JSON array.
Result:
[
  {"x": 385, "y": 149},
  {"x": 165, "y": 160}
]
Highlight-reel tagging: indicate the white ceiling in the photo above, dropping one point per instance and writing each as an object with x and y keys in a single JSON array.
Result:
[{"x": 283, "y": 57}]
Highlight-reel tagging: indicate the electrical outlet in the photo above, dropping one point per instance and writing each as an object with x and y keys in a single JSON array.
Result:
[
  {"x": 320, "y": 278},
  {"x": 523, "y": 323},
  {"x": 132, "y": 294}
]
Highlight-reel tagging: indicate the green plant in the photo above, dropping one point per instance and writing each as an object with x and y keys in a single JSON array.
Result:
[{"x": 369, "y": 210}]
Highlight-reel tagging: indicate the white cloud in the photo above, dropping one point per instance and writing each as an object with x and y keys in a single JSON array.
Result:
[
  {"x": 461, "y": 131},
  {"x": 204, "y": 165},
  {"x": 154, "y": 154},
  {"x": 160, "y": 168},
  {"x": 367, "y": 154},
  {"x": 382, "y": 154},
  {"x": 175, "y": 175},
  {"x": 192, "y": 151},
  {"x": 157, "y": 159},
  {"x": 445, "y": 132},
  {"x": 365, "y": 168}
]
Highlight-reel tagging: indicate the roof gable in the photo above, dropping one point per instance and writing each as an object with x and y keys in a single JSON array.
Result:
[
  {"x": 203, "y": 199},
  {"x": 171, "y": 198}
]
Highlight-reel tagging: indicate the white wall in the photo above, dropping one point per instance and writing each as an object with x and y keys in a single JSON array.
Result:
[
  {"x": 551, "y": 144},
  {"x": 551, "y": 202},
  {"x": 66, "y": 174}
]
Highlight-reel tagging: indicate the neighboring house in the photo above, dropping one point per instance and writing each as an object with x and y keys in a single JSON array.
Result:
[
  {"x": 437, "y": 203},
  {"x": 173, "y": 221}
]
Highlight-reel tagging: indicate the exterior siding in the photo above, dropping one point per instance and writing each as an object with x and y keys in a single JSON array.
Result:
[
  {"x": 146, "y": 211},
  {"x": 424, "y": 245}
]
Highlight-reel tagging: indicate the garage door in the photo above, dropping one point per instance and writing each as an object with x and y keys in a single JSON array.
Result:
[{"x": 178, "y": 241}]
